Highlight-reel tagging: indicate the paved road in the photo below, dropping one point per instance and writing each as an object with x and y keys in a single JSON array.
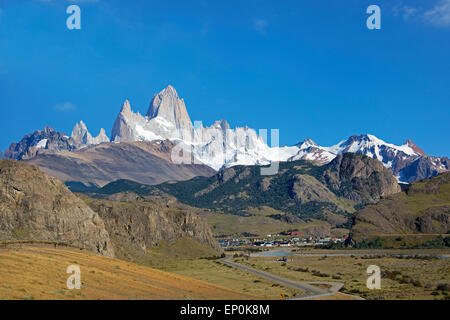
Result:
[{"x": 310, "y": 290}]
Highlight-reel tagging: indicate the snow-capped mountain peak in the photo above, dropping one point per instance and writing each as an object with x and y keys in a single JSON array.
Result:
[
  {"x": 308, "y": 142},
  {"x": 219, "y": 146},
  {"x": 170, "y": 107},
  {"x": 369, "y": 145},
  {"x": 414, "y": 147},
  {"x": 81, "y": 136},
  {"x": 126, "y": 107}
]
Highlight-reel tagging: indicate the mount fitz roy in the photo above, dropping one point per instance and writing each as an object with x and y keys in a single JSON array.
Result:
[{"x": 217, "y": 146}]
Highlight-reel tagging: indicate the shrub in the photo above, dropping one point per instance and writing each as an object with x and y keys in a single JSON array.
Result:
[
  {"x": 415, "y": 283},
  {"x": 443, "y": 287}
]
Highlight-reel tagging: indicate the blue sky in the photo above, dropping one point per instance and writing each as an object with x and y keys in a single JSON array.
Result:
[{"x": 308, "y": 68}]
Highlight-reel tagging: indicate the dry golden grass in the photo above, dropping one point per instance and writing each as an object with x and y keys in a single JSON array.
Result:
[
  {"x": 38, "y": 272},
  {"x": 408, "y": 278},
  {"x": 235, "y": 279}
]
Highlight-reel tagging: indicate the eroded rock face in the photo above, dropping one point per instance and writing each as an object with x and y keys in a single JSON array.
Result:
[
  {"x": 424, "y": 207},
  {"x": 169, "y": 106},
  {"x": 35, "y": 206},
  {"x": 359, "y": 178},
  {"x": 136, "y": 226}
]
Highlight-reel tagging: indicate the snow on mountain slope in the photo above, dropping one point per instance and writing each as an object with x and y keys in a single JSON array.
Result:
[
  {"x": 47, "y": 140},
  {"x": 216, "y": 146},
  {"x": 219, "y": 146}
]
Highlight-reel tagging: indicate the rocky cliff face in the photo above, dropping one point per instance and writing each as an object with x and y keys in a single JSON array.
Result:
[
  {"x": 34, "y": 206},
  {"x": 423, "y": 167},
  {"x": 424, "y": 207},
  {"x": 137, "y": 226},
  {"x": 359, "y": 178},
  {"x": 128, "y": 125},
  {"x": 169, "y": 106},
  {"x": 166, "y": 118}
]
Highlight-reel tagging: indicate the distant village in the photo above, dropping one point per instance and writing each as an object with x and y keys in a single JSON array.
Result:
[{"x": 283, "y": 239}]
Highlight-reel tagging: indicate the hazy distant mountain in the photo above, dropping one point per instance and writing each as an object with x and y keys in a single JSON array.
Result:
[
  {"x": 144, "y": 162},
  {"x": 32, "y": 144},
  {"x": 49, "y": 140},
  {"x": 81, "y": 136}
]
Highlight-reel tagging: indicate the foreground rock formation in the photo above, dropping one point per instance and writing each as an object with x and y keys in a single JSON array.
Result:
[
  {"x": 34, "y": 206},
  {"x": 37, "y": 207},
  {"x": 136, "y": 226}
]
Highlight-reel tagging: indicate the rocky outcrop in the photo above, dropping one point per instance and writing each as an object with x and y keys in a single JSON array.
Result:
[
  {"x": 306, "y": 188},
  {"x": 424, "y": 207},
  {"x": 137, "y": 226},
  {"x": 35, "y": 206},
  {"x": 359, "y": 178}
]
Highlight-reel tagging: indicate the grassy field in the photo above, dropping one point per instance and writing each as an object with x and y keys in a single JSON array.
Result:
[
  {"x": 212, "y": 271},
  {"x": 40, "y": 273},
  {"x": 259, "y": 222},
  {"x": 402, "y": 278},
  {"x": 406, "y": 241}
]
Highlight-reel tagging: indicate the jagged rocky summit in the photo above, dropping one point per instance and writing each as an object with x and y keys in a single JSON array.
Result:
[{"x": 218, "y": 146}]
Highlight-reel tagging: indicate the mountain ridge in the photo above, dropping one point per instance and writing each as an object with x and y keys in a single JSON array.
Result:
[
  {"x": 299, "y": 188},
  {"x": 423, "y": 207},
  {"x": 145, "y": 162},
  {"x": 219, "y": 147}
]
